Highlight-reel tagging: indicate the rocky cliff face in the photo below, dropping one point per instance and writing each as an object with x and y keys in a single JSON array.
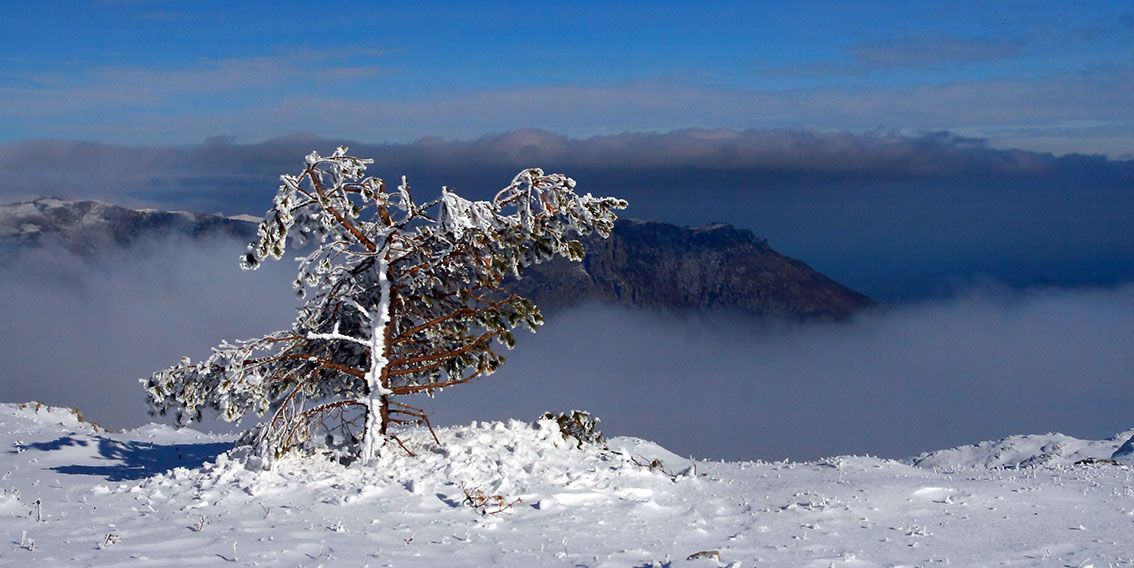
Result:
[
  {"x": 662, "y": 266},
  {"x": 643, "y": 264}
]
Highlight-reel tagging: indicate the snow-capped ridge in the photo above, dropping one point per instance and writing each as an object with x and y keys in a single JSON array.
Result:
[
  {"x": 1125, "y": 453},
  {"x": 246, "y": 218},
  {"x": 1030, "y": 450},
  {"x": 51, "y": 416},
  {"x": 87, "y": 227}
]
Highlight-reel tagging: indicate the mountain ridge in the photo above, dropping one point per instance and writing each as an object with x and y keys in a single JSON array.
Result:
[
  {"x": 715, "y": 267},
  {"x": 644, "y": 264},
  {"x": 86, "y": 227}
]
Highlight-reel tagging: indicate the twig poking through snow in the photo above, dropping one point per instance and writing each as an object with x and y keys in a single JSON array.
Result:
[
  {"x": 705, "y": 554},
  {"x": 26, "y": 542},
  {"x": 478, "y": 500}
]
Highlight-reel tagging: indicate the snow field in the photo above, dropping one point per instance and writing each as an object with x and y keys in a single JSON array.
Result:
[{"x": 161, "y": 497}]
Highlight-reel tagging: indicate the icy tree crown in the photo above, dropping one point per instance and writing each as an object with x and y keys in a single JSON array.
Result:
[{"x": 401, "y": 298}]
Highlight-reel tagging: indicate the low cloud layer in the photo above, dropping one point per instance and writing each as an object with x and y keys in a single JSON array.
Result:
[
  {"x": 82, "y": 332},
  {"x": 221, "y": 172},
  {"x": 892, "y": 216},
  {"x": 983, "y": 364},
  {"x": 979, "y": 366}
]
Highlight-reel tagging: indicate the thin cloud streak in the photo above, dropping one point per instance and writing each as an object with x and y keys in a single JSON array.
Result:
[
  {"x": 108, "y": 88},
  {"x": 903, "y": 53},
  {"x": 974, "y": 108},
  {"x": 919, "y": 52}
]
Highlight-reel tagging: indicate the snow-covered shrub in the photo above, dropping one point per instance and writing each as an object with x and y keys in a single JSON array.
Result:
[
  {"x": 578, "y": 427},
  {"x": 403, "y": 298}
]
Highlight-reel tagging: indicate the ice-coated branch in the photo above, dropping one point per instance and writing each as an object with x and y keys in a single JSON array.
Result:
[{"x": 334, "y": 335}]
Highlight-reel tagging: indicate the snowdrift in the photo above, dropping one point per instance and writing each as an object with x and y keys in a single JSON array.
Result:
[{"x": 519, "y": 494}]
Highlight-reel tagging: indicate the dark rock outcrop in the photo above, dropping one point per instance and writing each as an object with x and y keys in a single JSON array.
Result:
[{"x": 662, "y": 266}]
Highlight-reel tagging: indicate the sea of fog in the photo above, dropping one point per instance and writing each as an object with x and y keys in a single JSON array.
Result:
[{"x": 979, "y": 363}]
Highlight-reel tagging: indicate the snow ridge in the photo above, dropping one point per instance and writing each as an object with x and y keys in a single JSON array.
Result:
[
  {"x": 1030, "y": 450},
  {"x": 517, "y": 494}
]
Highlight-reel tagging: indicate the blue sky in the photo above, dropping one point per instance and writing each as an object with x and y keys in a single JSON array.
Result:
[{"x": 1044, "y": 76}]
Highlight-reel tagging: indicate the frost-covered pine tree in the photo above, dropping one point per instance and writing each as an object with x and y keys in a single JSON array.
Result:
[{"x": 402, "y": 298}]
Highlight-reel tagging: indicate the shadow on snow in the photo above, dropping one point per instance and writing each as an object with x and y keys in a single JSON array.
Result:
[{"x": 132, "y": 460}]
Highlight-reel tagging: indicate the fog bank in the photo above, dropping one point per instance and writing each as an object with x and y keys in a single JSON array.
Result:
[
  {"x": 977, "y": 365},
  {"x": 980, "y": 365},
  {"x": 81, "y": 332}
]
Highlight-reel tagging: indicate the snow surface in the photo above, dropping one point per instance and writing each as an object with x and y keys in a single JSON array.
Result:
[
  {"x": 518, "y": 494},
  {"x": 247, "y": 218}
]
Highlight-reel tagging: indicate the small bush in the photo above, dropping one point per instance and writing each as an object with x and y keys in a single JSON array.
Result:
[{"x": 579, "y": 426}]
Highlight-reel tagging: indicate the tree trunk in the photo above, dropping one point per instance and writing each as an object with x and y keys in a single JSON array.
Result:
[
  {"x": 385, "y": 413},
  {"x": 377, "y": 396}
]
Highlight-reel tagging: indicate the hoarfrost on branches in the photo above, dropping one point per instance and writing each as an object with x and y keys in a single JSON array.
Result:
[{"x": 401, "y": 298}]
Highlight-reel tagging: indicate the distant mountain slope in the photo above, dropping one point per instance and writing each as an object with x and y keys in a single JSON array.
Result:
[
  {"x": 644, "y": 264},
  {"x": 87, "y": 227},
  {"x": 718, "y": 267}
]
